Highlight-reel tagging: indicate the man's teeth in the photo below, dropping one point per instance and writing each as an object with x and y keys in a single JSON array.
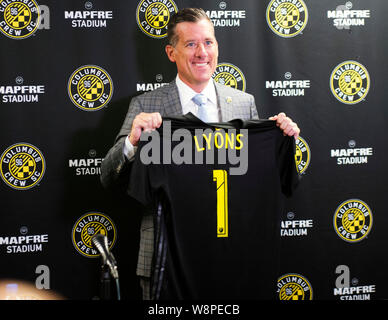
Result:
[{"x": 201, "y": 64}]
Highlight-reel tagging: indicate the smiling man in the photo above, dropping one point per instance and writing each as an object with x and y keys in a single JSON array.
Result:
[{"x": 193, "y": 47}]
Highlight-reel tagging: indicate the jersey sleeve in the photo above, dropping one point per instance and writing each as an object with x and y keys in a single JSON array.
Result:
[
  {"x": 289, "y": 176},
  {"x": 139, "y": 183},
  {"x": 143, "y": 182}
]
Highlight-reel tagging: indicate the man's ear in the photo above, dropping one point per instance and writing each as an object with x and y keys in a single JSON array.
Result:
[{"x": 170, "y": 51}]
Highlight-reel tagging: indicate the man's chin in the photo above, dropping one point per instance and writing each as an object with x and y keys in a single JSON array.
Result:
[{"x": 204, "y": 77}]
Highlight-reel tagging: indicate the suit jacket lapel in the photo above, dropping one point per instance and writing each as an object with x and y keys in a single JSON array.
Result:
[
  {"x": 225, "y": 103},
  {"x": 171, "y": 102}
]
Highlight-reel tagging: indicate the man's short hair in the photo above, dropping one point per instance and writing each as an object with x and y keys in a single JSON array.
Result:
[{"x": 184, "y": 15}]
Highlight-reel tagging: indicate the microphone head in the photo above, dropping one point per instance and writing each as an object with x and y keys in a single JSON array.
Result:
[
  {"x": 98, "y": 237},
  {"x": 100, "y": 241}
]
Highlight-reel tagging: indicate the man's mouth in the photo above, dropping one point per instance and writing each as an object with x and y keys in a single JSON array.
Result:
[{"x": 202, "y": 64}]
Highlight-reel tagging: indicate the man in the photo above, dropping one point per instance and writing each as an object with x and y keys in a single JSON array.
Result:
[{"x": 192, "y": 46}]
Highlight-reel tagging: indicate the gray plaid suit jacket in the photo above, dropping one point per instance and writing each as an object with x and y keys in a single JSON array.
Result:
[{"x": 232, "y": 104}]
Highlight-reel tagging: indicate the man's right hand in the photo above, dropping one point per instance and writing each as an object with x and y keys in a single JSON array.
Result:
[{"x": 144, "y": 122}]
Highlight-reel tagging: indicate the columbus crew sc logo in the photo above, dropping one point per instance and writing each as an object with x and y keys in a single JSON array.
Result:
[
  {"x": 86, "y": 227},
  {"x": 153, "y": 16},
  {"x": 353, "y": 220},
  {"x": 302, "y": 155},
  {"x": 294, "y": 287},
  {"x": 287, "y": 18},
  {"x": 90, "y": 88},
  {"x": 22, "y": 166},
  {"x": 19, "y": 19},
  {"x": 229, "y": 75},
  {"x": 349, "y": 82}
]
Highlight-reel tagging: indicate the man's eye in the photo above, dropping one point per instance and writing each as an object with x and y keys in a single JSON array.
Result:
[
  {"x": 209, "y": 43},
  {"x": 191, "y": 44}
]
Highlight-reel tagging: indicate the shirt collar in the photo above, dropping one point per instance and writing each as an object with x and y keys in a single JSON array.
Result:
[{"x": 186, "y": 93}]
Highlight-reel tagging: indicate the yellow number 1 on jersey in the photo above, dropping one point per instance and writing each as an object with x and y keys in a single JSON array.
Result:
[{"x": 221, "y": 179}]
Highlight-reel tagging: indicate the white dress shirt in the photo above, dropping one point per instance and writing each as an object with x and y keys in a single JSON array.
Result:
[
  {"x": 188, "y": 105},
  {"x": 186, "y": 94}
]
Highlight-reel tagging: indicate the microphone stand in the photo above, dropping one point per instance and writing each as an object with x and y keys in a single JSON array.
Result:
[
  {"x": 108, "y": 267},
  {"x": 105, "y": 283}
]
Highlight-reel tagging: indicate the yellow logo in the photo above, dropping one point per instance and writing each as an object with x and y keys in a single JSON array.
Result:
[
  {"x": 287, "y": 18},
  {"x": 86, "y": 227},
  {"x": 22, "y": 166},
  {"x": 19, "y": 19},
  {"x": 349, "y": 82},
  {"x": 294, "y": 287},
  {"x": 153, "y": 16},
  {"x": 353, "y": 220},
  {"x": 90, "y": 88},
  {"x": 302, "y": 155},
  {"x": 229, "y": 75}
]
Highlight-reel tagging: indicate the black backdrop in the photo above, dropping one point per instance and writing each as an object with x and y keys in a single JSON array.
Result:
[{"x": 46, "y": 223}]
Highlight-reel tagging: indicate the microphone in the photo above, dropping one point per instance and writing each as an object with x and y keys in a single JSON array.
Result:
[{"x": 100, "y": 241}]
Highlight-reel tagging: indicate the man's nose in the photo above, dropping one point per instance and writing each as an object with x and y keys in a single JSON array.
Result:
[{"x": 201, "y": 50}]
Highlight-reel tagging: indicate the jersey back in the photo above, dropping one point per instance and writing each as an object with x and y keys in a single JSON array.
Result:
[{"x": 220, "y": 195}]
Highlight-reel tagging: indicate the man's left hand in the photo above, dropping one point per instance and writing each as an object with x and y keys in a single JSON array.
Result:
[{"x": 289, "y": 127}]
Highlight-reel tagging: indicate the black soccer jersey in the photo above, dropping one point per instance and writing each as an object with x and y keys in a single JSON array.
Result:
[{"x": 216, "y": 229}]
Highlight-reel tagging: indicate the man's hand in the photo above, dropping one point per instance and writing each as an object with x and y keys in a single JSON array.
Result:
[
  {"x": 144, "y": 122},
  {"x": 285, "y": 124}
]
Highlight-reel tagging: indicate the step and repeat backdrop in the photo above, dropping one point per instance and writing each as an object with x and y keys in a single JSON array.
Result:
[{"x": 320, "y": 62}]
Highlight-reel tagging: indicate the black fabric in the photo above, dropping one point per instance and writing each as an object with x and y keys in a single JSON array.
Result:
[{"x": 198, "y": 264}]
